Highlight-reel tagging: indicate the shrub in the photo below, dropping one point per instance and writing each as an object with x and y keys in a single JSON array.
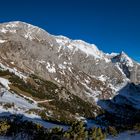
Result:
[
  {"x": 8, "y": 105},
  {"x": 4, "y": 126},
  {"x": 137, "y": 127},
  {"x": 112, "y": 131}
]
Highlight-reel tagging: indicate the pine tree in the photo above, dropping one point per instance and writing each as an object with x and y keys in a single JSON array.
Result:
[{"x": 97, "y": 134}]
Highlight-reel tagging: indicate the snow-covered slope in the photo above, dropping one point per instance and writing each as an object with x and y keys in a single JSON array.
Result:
[
  {"x": 76, "y": 45},
  {"x": 124, "y": 59},
  {"x": 128, "y": 135},
  {"x": 5, "y": 82},
  {"x": 126, "y": 104}
]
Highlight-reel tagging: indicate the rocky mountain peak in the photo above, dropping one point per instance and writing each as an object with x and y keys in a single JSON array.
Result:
[
  {"x": 25, "y": 30},
  {"x": 124, "y": 58}
]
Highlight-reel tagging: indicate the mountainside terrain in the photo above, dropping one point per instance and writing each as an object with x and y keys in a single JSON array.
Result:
[{"x": 65, "y": 78}]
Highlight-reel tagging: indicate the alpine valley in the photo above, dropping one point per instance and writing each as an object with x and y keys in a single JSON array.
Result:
[{"x": 48, "y": 80}]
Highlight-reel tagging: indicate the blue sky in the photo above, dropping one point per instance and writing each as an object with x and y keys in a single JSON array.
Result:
[{"x": 113, "y": 25}]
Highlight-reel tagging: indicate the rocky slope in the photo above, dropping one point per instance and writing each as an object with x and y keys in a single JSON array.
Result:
[{"x": 80, "y": 68}]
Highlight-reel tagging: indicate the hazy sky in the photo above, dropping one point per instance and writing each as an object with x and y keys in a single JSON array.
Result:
[{"x": 113, "y": 25}]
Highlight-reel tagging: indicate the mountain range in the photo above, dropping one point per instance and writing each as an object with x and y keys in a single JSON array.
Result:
[{"x": 68, "y": 79}]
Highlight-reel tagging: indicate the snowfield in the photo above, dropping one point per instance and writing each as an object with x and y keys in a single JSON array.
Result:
[
  {"x": 17, "y": 100},
  {"x": 20, "y": 107}
]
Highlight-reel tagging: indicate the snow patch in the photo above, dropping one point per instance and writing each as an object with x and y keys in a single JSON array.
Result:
[
  {"x": 62, "y": 40},
  {"x": 102, "y": 78},
  {"x": 117, "y": 65},
  {"x": 61, "y": 66},
  {"x": 12, "y": 63},
  {"x": 50, "y": 68},
  {"x": 3, "y": 41},
  {"x": 107, "y": 60},
  {"x": 3, "y": 30},
  {"x": 87, "y": 81},
  {"x": 18, "y": 101},
  {"x": 14, "y": 70},
  {"x": 65, "y": 63},
  {"x": 112, "y": 54},
  {"x": 5, "y": 82},
  {"x": 91, "y": 93},
  {"x": 56, "y": 79},
  {"x": 125, "y": 59},
  {"x": 89, "y": 49},
  {"x": 41, "y": 61}
]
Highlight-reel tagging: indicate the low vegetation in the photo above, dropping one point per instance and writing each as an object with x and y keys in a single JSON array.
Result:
[
  {"x": 63, "y": 108},
  {"x": 28, "y": 130}
]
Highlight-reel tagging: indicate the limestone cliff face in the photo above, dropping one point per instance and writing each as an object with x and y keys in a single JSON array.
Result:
[{"x": 80, "y": 67}]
